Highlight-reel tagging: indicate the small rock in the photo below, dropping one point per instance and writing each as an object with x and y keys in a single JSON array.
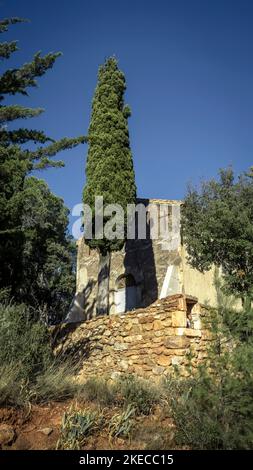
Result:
[
  {"x": 7, "y": 434},
  {"x": 46, "y": 431},
  {"x": 22, "y": 443},
  {"x": 163, "y": 361},
  {"x": 157, "y": 370}
]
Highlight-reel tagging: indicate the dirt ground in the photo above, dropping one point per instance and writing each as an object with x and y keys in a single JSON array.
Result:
[{"x": 37, "y": 427}]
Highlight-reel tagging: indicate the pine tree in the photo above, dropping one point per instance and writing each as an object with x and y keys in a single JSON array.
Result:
[
  {"x": 17, "y": 160},
  {"x": 109, "y": 169}
]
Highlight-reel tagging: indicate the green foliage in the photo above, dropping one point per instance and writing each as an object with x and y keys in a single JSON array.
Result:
[
  {"x": 54, "y": 383},
  {"x": 48, "y": 262},
  {"x": 217, "y": 228},
  {"x": 109, "y": 168},
  {"x": 28, "y": 370},
  {"x": 121, "y": 424},
  {"x": 98, "y": 390},
  {"x": 24, "y": 341},
  {"x": 44, "y": 273},
  {"x": 213, "y": 409},
  {"x": 50, "y": 278},
  {"x": 13, "y": 389},
  {"x": 126, "y": 390},
  {"x": 76, "y": 426},
  {"x": 138, "y": 393}
]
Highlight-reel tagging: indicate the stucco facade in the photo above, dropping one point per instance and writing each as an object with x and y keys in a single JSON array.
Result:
[{"x": 144, "y": 270}]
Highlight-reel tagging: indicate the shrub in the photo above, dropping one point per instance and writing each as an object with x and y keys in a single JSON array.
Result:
[
  {"x": 23, "y": 340},
  {"x": 29, "y": 371},
  {"x": 13, "y": 390},
  {"x": 139, "y": 393},
  {"x": 193, "y": 407},
  {"x": 214, "y": 408},
  {"x": 97, "y": 390}
]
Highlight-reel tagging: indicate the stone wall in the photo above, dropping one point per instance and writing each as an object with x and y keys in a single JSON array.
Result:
[
  {"x": 157, "y": 272},
  {"x": 147, "y": 342}
]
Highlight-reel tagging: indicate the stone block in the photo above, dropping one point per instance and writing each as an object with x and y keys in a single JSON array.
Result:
[
  {"x": 123, "y": 365},
  {"x": 178, "y": 319},
  {"x": 169, "y": 331},
  {"x": 158, "y": 325},
  {"x": 177, "y": 360},
  {"x": 167, "y": 322},
  {"x": 159, "y": 333},
  {"x": 190, "y": 332},
  {"x": 163, "y": 361},
  {"x": 157, "y": 340},
  {"x": 158, "y": 350},
  {"x": 158, "y": 370},
  {"x": 146, "y": 319},
  {"x": 176, "y": 342},
  {"x": 120, "y": 346},
  {"x": 147, "y": 326},
  {"x": 133, "y": 338},
  {"x": 107, "y": 333}
]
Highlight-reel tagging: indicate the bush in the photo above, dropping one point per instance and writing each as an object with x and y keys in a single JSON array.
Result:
[
  {"x": 97, "y": 390},
  {"x": 139, "y": 393},
  {"x": 24, "y": 341},
  {"x": 29, "y": 371},
  {"x": 214, "y": 408},
  {"x": 13, "y": 390}
]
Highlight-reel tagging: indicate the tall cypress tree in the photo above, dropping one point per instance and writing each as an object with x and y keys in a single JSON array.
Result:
[{"x": 109, "y": 168}]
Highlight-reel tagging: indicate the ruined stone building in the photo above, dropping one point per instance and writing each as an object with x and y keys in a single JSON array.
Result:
[{"x": 143, "y": 271}]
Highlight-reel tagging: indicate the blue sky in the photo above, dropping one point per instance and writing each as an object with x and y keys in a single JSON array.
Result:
[{"x": 189, "y": 72}]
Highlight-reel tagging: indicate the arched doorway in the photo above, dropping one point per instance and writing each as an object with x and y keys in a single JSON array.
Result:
[{"x": 126, "y": 293}]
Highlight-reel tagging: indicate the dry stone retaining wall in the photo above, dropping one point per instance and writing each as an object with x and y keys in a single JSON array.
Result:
[{"x": 147, "y": 342}]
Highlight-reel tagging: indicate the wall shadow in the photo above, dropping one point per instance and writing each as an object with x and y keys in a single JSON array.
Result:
[{"x": 139, "y": 261}]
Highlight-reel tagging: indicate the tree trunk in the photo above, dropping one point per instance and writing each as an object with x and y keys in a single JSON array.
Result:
[{"x": 103, "y": 284}]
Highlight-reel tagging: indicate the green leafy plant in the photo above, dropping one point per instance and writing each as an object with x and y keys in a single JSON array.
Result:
[
  {"x": 76, "y": 426},
  {"x": 121, "y": 423}
]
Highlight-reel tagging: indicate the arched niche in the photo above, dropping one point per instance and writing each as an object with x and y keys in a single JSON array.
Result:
[{"x": 126, "y": 293}]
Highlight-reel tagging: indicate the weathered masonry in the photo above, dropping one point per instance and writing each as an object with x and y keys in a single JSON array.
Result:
[
  {"x": 147, "y": 342},
  {"x": 143, "y": 271}
]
